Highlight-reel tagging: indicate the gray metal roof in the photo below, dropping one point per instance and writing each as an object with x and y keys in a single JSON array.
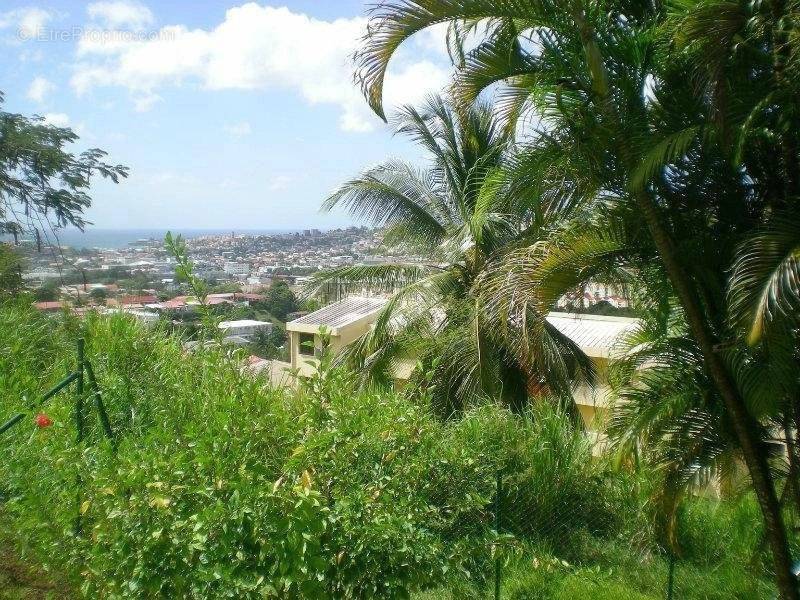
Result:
[
  {"x": 343, "y": 312},
  {"x": 595, "y": 334}
]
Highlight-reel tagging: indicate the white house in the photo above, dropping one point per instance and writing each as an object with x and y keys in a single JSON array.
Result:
[
  {"x": 343, "y": 321},
  {"x": 240, "y": 269},
  {"x": 346, "y": 320},
  {"x": 243, "y": 328}
]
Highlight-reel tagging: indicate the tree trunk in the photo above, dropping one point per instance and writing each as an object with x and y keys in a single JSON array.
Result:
[
  {"x": 744, "y": 427},
  {"x": 794, "y": 466},
  {"x": 743, "y": 424}
]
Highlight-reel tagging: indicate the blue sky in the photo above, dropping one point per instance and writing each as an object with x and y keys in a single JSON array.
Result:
[{"x": 229, "y": 114}]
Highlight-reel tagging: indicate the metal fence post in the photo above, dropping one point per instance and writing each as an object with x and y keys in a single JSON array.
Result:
[
  {"x": 79, "y": 394},
  {"x": 98, "y": 401},
  {"x": 497, "y": 525},
  {"x": 79, "y": 428},
  {"x": 671, "y": 576}
]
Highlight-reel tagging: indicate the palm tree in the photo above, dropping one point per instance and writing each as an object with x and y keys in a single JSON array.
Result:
[
  {"x": 670, "y": 414},
  {"x": 642, "y": 130},
  {"x": 765, "y": 285},
  {"x": 453, "y": 214}
]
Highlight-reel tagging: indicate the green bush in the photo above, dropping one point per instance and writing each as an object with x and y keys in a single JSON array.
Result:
[
  {"x": 220, "y": 487},
  {"x": 224, "y": 488}
]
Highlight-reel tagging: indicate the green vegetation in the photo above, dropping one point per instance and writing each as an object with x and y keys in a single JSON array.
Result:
[
  {"x": 47, "y": 292},
  {"x": 451, "y": 214},
  {"x": 10, "y": 272},
  {"x": 270, "y": 343},
  {"x": 666, "y": 135},
  {"x": 221, "y": 487},
  {"x": 43, "y": 184},
  {"x": 21, "y": 579},
  {"x": 648, "y": 145},
  {"x": 99, "y": 295},
  {"x": 279, "y": 300}
]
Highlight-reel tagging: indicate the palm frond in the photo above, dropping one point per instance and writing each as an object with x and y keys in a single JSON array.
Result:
[
  {"x": 498, "y": 58},
  {"x": 402, "y": 324},
  {"x": 434, "y": 128},
  {"x": 395, "y": 21},
  {"x": 394, "y": 193},
  {"x": 765, "y": 282},
  {"x": 534, "y": 277},
  {"x": 386, "y": 277},
  {"x": 666, "y": 151}
]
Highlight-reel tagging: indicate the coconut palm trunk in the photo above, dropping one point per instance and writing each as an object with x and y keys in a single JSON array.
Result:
[
  {"x": 753, "y": 452},
  {"x": 754, "y": 455}
]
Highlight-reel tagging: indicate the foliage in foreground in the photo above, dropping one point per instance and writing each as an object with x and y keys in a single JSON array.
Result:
[
  {"x": 44, "y": 184},
  {"x": 667, "y": 134},
  {"x": 224, "y": 488}
]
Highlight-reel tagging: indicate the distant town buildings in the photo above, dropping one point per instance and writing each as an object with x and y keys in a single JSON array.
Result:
[
  {"x": 236, "y": 269},
  {"x": 243, "y": 330},
  {"x": 142, "y": 274}
]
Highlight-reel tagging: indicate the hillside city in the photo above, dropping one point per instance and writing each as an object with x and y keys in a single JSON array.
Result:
[
  {"x": 251, "y": 260},
  {"x": 142, "y": 274}
]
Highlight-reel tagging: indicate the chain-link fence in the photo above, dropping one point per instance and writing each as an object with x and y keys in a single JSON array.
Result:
[{"x": 529, "y": 542}]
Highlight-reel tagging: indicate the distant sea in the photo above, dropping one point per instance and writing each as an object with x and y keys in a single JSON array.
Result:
[{"x": 121, "y": 238}]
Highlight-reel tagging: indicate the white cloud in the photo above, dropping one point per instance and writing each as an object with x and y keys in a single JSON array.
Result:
[
  {"x": 433, "y": 38},
  {"x": 120, "y": 14},
  {"x": 56, "y": 119},
  {"x": 238, "y": 130},
  {"x": 255, "y": 47},
  {"x": 39, "y": 89},
  {"x": 278, "y": 183},
  {"x": 29, "y": 22},
  {"x": 172, "y": 177},
  {"x": 146, "y": 101}
]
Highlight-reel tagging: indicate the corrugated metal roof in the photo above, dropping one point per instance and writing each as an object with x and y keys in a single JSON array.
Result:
[
  {"x": 342, "y": 312},
  {"x": 244, "y": 323},
  {"x": 595, "y": 334}
]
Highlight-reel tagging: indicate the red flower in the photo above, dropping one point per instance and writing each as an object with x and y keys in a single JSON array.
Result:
[{"x": 42, "y": 421}]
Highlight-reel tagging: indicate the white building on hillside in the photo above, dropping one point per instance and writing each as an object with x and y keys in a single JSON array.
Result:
[
  {"x": 343, "y": 322},
  {"x": 243, "y": 328},
  {"x": 346, "y": 320},
  {"x": 239, "y": 269}
]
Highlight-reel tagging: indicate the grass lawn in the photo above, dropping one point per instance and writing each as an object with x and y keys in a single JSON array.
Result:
[{"x": 21, "y": 580}]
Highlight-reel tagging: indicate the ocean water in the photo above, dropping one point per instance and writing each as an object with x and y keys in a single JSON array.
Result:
[{"x": 120, "y": 238}]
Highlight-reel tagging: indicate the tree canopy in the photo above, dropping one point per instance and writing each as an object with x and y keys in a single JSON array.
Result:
[
  {"x": 666, "y": 134},
  {"x": 279, "y": 300},
  {"x": 43, "y": 183},
  {"x": 11, "y": 282}
]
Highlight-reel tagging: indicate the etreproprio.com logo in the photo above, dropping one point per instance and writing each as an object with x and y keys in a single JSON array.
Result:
[{"x": 97, "y": 36}]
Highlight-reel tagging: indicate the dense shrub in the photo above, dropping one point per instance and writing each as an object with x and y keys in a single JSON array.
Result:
[{"x": 221, "y": 487}]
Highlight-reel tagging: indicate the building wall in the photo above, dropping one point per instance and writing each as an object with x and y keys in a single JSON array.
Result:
[
  {"x": 593, "y": 403},
  {"x": 346, "y": 335},
  {"x": 306, "y": 365}
]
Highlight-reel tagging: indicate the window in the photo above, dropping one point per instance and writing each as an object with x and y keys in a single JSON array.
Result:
[{"x": 306, "y": 344}]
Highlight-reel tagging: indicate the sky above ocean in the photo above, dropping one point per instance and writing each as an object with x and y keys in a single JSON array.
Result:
[{"x": 229, "y": 114}]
